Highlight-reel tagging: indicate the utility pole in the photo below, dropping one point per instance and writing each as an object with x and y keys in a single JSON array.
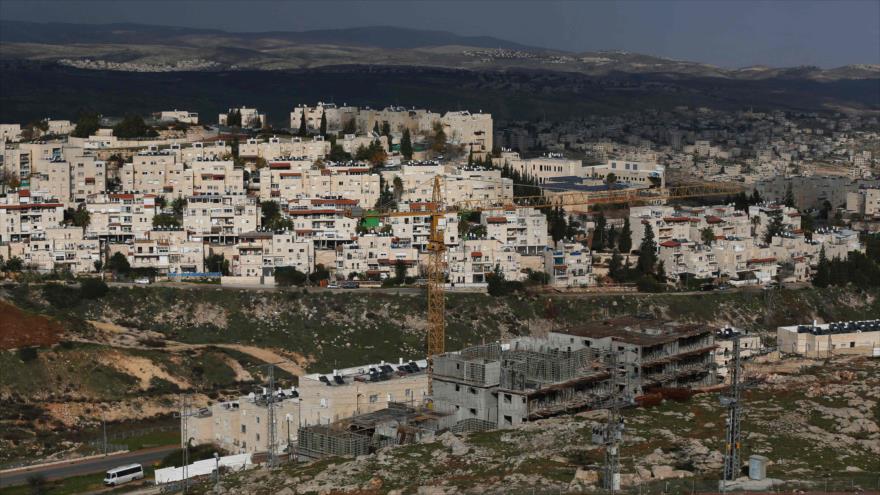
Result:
[
  {"x": 104, "y": 425},
  {"x": 270, "y": 406},
  {"x": 732, "y": 402},
  {"x": 613, "y": 430},
  {"x": 184, "y": 414}
]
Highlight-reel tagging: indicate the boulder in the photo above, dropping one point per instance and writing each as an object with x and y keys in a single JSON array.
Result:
[{"x": 586, "y": 476}]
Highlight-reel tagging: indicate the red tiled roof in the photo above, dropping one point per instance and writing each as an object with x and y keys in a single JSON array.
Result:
[
  {"x": 496, "y": 220},
  {"x": 24, "y": 193},
  {"x": 279, "y": 165},
  {"x": 676, "y": 219},
  {"x": 670, "y": 244},
  {"x": 477, "y": 254},
  {"x": 714, "y": 219}
]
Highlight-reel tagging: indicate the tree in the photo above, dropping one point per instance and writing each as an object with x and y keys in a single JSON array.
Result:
[
  {"x": 217, "y": 263},
  {"x": 165, "y": 220},
  {"x": 118, "y": 264},
  {"x": 99, "y": 265},
  {"x": 8, "y": 179},
  {"x": 13, "y": 264},
  {"x": 302, "y": 132},
  {"x": 610, "y": 180},
  {"x": 400, "y": 271},
  {"x": 406, "y": 148},
  {"x": 822, "y": 277},
  {"x": 177, "y": 206},
  {"x": 270, "y": 212},
  {"x": 599, "y": 232},
  {"x": 86, "y": 125},
  {"x": 133, "y": 126},
  {"x": 376, "y": 128},
  {"x": 789, "y": 196},
  {"x": 93, "y": 288},
  {"x": 233, "y": 118},
  {"x": 319, "y": 274},
  {"x": 756, "y": 197},
  {"x": 438, "y": 144},
  {"x": 615, "y": 266},
  {"x": 349, "y": 127},
  {"x": 79, "y": 217},
  {"x": 398, "y": 188},
  {"x": 625, "y": 242},
  {"x": 707, "y": 235},
  {"x": 775, "y": 227},
  {"x": 647, "y": 252},
  {"x": 611, "y": 237},
  {"x": 323, "y": 129},
  {"x": 287, "y": 276}
]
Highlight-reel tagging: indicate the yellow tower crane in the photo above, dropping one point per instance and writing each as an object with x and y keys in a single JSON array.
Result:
[{"x": 436, "y": 276}]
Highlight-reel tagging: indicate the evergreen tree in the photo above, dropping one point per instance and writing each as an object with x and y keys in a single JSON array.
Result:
[
  {"x": 406, "y": 148},
  {"x": 611, "y": 237},
  {"x": 376, "y": 128},
  {"x": 789, "y": 196},
  {"x": 822, "y": 277},
  {"x": 302, "y": 125},
  {"x": 323, "y": 123},
  {"x": 599, "y": 232},
  {"x": 625, "y": 242},
  {"x": 647, "y": 252},
  {"x": 775, "y": 227},
  {"x": 756, "y": 197},
  {"x": 615, "y": 266}
]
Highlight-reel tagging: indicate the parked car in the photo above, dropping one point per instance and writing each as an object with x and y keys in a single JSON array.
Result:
[
  {"x": 333, "y": 285},
  {"x": 142, "y": 281},
  {"x": 350, "y": 284}
]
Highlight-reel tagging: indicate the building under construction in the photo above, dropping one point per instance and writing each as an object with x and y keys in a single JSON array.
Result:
[
  {"x": 504, "y": 385},
  {"x": 398, "y": 424}
]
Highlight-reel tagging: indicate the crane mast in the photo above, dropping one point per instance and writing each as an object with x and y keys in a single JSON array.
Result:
[{"x": 436, "y": 281}]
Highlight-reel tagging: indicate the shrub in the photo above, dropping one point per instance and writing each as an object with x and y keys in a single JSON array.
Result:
[
  {"x": 93, "y": 288},
  {"x": 60, "y": 296},
  {"x": 27, "y": 354},
  {"x": 287, "y": 276}
]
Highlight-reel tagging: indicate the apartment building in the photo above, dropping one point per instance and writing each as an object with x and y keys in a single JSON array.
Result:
[
  {"x": 242, "y": 426},
  {"x": 569, "y": 265},
  {"x": 506, "y": 385},
  {"x": 221, "y": 218},
  {"x": 60, "y": 248},
  {"x": 325, "y": 225},
  {"x": 258, "y": 254},
  {"x": 762, "y": 216},
  {"x": 865, "y": 202},
  {"x": 183, "y": 254},
  {"x": 10, "y": 133},
  {"x": 23, "y": 215},
  {"x": 376, "y": 256},
  {"x": 823, "y": 340},
  {"x": 472, "y": 261},
  {"x": 325, "y": 398},
  {"x": 336, "y": 118},
  {"x": 417, "y": 229},
  {"x": 120, "y": 217},
  {"x": 523, "y": 228},
  {"x": 750, "y": 345},
  {"x": 471, "y": 130},
  {"x": 250, "y": 117},
  {"x": 156, "y": 172},
  {"x": 214, "y": 176},
  {"x": 182, "y": 116},
  {"x": 397, "y": 118},
  {"x": 278, "y": 149}
]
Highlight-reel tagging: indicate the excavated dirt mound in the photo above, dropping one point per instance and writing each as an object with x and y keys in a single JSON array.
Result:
[{"x": 21, "y": 329}]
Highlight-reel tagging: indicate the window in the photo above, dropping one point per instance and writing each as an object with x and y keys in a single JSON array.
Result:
[
  {"x": 374, "y": 399},
  {"x": 473, "y": 411},
  {"x": 244, "y": 428},
  {"x": 508, "y": 420},
  {"x": 507, "y": 398},
  {"x": 258, "y": 420},
  {"x": 473, "y": 391},
  {"x": 258, "y": 437}
]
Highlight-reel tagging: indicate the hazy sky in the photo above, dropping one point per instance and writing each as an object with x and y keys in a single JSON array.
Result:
[{"x": 722, "y": 32}]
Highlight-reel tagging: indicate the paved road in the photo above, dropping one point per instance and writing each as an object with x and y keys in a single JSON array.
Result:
[{"x": 89, "y": 466}]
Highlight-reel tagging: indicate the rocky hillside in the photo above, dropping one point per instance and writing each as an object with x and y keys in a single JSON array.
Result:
[
  {"x": 799, "y": 414},
  {"x": 67, "y": 360}
]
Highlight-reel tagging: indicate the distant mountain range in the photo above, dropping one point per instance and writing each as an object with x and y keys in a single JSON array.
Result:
[{"x": 147, "y": 48}]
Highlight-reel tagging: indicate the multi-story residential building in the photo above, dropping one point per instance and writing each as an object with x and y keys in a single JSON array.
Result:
[
  {"x": 569, "y": 265},
  {"x": 762, "y": 216},
  {"x": 750, "y": 345},
  {"x": 23, "y": 215},
  {"x": 214, "y": 176},
  {"x": 472, "y": 261},
  {"x": 155, "y": 172},
  {"x": 278, "y": 149},
  {"x": 417, "y": 229},
  {"x": 325, "y": 398},
  {"x": 221, "y": 219},
  {"x": 10, "y": 133},
  {"x": 61, "y": 248},
  {"x": 823, "y": 340},
  {"x": 471, "y": 130},
  {"x": 326, "y": 225},
  {"x": 260, "y": 253},
  {"x": 120, "y": 217},
  {"x": 376, "y": 257},
  {"x": 242, "y": 426},
  {"x": 865, "y": 202},
  {"x": 523, "y": 228}
]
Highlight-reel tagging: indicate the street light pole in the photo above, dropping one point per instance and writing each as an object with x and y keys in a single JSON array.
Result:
[{"x": 216, "y": 468}]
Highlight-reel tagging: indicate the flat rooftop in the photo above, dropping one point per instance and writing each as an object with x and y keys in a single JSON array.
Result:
[
  {"x": 636, "y": 331},
  {"x": 370, "y": 372}
]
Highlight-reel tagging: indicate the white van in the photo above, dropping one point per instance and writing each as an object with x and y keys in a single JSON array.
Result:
[{"x": 124, "y": 474}]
